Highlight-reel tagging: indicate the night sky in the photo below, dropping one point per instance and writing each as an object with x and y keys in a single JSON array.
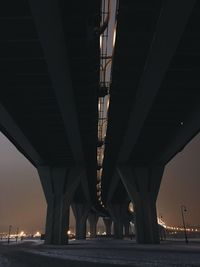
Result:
[{"x": 22, "y": 203}]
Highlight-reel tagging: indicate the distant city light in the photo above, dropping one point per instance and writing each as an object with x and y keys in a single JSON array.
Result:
[
  {"x": 100, "y": 41},
  {"x": 161, "y": 222},
  {"x": 37, "y": 234},
  {"x": 130, "y": 207},
  {"x": 22, "y": 234},
  {"x": 114, "y": 36},
  {"x": 108, "y": 102}
]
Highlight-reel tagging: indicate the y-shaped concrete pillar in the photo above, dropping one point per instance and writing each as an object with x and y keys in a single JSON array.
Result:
[
  {"x": 108, "y": 223},
  {"x": 93, "y": 218},
  {"x": 126, "y": 228},
  {"x": 58, "y": 185},
  {"x": 142, "y": 185},
  {"x": 80, "y": 211},
  {"x": 117, "y": 212}
]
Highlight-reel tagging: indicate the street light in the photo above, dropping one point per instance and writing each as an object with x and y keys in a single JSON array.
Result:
[
  {"x": 160, "y": 228},
  {"x": 183, "y": 209},
  {"x": 17, "y": 233},
  {"x": 9, "y": 232}
]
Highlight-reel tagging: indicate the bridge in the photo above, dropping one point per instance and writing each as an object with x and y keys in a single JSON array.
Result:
[{"x": 51, "y": 87}]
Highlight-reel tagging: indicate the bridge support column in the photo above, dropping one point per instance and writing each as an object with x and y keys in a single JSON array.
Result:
[
  {"x": 108, "y": 224},
  {"x": 126, "y": 228},
  {"x": 80, "y": 211},
  {"x": 58, "y": 195},
  {"x": 118, "y": 230},
  {"x": 57, "y": 221},
  {"x": 142, "y": 185},
  {"x": 93, "y": 218},
  {"x": 117, "y": 213}
]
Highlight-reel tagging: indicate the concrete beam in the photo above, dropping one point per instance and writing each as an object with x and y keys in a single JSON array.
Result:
[
  {"x": 59, "y": 185},
  {"x": 108, "y": 223},
  {"x": 117, "y": 213},
  {"x": 12, "y": 131},
  {"x": 127, "y": 228},
  {"x": 187, "y": 131},
  {"x": 84, "y": 183},
  {"x": 81, "y": 211},
  {"x": 113, "y": 186},
  {"x": 53, "y": 39},
  {"x": 172, "y": 21},
  {"x": 67, "y": 183},
  {"x": 142, "y": 184},
  {"x": 93, "y": 219}
]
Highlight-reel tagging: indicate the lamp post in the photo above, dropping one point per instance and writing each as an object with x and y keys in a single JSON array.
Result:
[
  {"x": 17, "y": 233},
  {"x": 183, "y": 209},
  {"x": 9, "y": 232},
  {"x": 160, "y": 228}
]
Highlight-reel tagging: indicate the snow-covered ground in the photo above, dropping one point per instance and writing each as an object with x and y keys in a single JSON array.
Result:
[
  {"x": 108, "y": 251},
  {"x": 125, "y": 252},
  {"x": 13, "y": 241},
  {"x": 4, "y": 262}
]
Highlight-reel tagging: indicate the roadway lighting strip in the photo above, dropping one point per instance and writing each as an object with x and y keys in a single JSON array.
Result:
[{"x": 107, "y": 43}]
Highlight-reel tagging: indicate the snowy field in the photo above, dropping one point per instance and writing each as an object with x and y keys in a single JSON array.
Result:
[
  {"x": 100, "y": 252},
  {"x": 4, "y": 262}
]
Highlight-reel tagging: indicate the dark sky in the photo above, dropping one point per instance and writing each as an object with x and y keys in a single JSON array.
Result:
[
  {"x": 22, "y": 203},
  {"x": 181, "y": 185}
]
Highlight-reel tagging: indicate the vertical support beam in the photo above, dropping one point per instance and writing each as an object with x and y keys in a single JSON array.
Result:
[
  {"x": 117, "y": 213},
  {"x": 93, "y": 218},
  {"x": 108, "y": 223},
  {"x": 57, "y": 221},
  {"x": 113, "y": 186},
  {"x": 80, "y": 211},
  {"x": 126, "y": 228},
  {"x": 118, "y": 229},
  {"x": 142, "y": 185},
  {"x": 59, "y": 185},
  {"x": 84, "y": 183}
]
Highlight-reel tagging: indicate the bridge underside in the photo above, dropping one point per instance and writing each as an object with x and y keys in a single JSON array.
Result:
[{"x": 50, "y": 69}]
